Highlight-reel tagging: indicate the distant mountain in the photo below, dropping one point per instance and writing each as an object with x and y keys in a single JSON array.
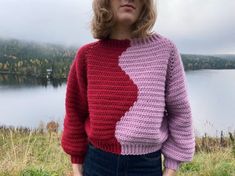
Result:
[
  {"x": 195, "y": 62},
  {"x": 31, "y": 58},
  {"x": 52, "y": 60},
  {"x": 226, "y": 56},
  {"x": 27, "y": 50}
]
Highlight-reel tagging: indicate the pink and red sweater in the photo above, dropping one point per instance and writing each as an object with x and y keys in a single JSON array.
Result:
[{"x": 129, "y": 97}]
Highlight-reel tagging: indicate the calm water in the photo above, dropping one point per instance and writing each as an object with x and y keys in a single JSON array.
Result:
[
  {"x": 212, "y": 99},
  {"x": 211, "y": 94}
]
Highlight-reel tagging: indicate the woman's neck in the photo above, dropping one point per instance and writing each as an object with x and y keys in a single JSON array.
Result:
[{"x": 120, "y": 32}]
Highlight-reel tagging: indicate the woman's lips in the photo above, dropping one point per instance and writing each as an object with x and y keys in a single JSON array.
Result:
[{"x": 128, "y": 6}]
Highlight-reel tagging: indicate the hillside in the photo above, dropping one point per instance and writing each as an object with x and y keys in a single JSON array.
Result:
[
  {"x": 196, "y": 62},
  {"x": 50, "y": 60},
  {"x": 31, "y": 58}
]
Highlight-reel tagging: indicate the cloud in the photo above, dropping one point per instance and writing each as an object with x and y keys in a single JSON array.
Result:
[
  {"x": 57, "y": 21},
  {"x": 196, "y": 26}
]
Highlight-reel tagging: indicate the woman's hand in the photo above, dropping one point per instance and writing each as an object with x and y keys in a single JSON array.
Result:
[
  {"x": 169, "y": 172},
  {"x": 77, "y": 169}
]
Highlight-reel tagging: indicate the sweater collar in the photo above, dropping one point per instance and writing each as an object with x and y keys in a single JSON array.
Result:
[{"x": 119, "y": 43}]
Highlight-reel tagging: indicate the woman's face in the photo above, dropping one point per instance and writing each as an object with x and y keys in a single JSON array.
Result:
[{"x": 126, "y": 11}]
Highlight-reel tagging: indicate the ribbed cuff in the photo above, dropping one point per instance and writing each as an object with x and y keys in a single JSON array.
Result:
[
  {"x": 171, "y": 163},
  {"x": 77, "y": 159}
]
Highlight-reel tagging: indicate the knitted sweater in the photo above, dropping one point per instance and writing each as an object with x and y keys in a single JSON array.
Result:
[{"x": 128, "y": 97}]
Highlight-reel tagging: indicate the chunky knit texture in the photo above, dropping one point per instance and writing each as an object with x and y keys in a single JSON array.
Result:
[{"x": 129, "y": 97}]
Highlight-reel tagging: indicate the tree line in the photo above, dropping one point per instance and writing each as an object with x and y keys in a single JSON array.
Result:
[
  {"x": 43, "y": 60},
  {"x": 33, "y": 59},
  {"x": 196, "y": 62}
]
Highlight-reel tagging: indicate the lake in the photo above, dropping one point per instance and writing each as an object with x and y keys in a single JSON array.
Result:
[{"x": 211, "y": 94}]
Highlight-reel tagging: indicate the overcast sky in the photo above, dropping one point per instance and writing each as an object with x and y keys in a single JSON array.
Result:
[{"x": 196, "y": 26}]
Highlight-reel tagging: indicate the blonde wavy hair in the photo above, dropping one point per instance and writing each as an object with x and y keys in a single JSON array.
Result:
[{"x": 103, "y": 21}]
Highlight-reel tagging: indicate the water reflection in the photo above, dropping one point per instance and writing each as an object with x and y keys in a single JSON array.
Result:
[{"x": 22, "y": 81}]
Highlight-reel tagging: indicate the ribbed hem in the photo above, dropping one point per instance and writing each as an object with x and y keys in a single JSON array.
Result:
[
  {"x": 171, "y": 164},
  {"x": 77, "y": 159},
  {"x": 126, "y": 149},
  {"x": 119, "y": 43}
]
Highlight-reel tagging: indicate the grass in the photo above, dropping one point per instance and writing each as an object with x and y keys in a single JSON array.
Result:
[
  {"x": 31, "y": 153},
  {"x": 218, "y": 163},
  {"x": 25, "y": 152}
]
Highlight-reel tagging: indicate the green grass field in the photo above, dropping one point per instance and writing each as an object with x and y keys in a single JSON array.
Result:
[{"x": 31, "y": 153}]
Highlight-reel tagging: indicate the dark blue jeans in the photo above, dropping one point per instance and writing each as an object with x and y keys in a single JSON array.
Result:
[{"x": 100, "y": 163}]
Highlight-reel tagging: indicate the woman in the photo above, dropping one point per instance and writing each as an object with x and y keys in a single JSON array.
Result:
[{"x": 126, "y": 99}]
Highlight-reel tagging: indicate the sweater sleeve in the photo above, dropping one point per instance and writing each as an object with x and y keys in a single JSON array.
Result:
[
  {"x": 74, "y": 138},
  {"x": 180, "y": 144}
]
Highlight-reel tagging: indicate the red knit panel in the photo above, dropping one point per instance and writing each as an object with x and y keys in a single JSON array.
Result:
[
  {"x": 74, "y": 139},
  {"x": 109, "y": 99}
]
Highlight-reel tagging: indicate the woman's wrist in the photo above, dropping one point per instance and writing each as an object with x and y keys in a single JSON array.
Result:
[
  {"x": 77, "y": 168},
  {"x": 169, "y": 172}
]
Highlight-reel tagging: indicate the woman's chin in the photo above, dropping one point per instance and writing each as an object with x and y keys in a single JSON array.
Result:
[{"x": 126, "y": 21}]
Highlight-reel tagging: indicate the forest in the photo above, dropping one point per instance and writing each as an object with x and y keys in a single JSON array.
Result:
[
  {"x": 219, "y": 61},
  {"x": 45, "y": 60},
  {"x": 35, "y": 59}
]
